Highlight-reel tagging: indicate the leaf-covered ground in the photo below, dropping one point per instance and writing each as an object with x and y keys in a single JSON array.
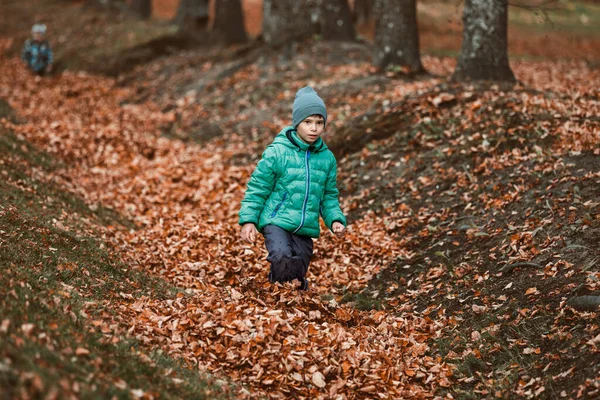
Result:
[
  {"x": 57, "y": 278},
  {"x": 474, "y": 220}
]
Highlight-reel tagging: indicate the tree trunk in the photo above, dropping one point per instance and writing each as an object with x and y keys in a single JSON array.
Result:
[
  {"x": 363, "y": 10},
  {"x": 98, "y": 3},
  {"x": 336, "y": 21},
  {"x": 192, "y": 14},
  {"x": 484, "y": 53},
  {"x": 396, "y": 35},
  {"x": 229, "y": 21},
  {"x": 286, "y": 21},
  {"x": 142, "y": 8},
  {"x": 585, "y": 303},
  {"x": 117, "y": 5}
]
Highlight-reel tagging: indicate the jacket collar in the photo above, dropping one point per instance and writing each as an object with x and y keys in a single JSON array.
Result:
[{"x": 293, "y": 137}]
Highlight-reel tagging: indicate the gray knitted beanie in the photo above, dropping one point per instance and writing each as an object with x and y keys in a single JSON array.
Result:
[{"x": 307, "y": 103}]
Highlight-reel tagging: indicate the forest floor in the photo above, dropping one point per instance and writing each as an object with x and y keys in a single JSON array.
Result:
[{"x": 473, "y": 222}]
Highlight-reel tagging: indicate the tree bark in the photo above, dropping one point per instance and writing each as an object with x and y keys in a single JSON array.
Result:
[
  {"x": 286, "y": 21},
  {"x": 363, "y": 11},
  {"x": 396, "y": 35},
  {"x": 585, "y": 303},
  {"x": 484, "y": 49},
  {"x": 192, "y": 14},
  {"x": 142, "y": 8},
  {"x": 98, "y": 3},
  {"x": 336, "y": 21},
  {"x": 229, "y": 21}
]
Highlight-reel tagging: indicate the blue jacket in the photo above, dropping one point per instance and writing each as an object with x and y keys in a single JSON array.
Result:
[
  {"x": 37, "y": 54},
  {"x": 292, "y": 184}
]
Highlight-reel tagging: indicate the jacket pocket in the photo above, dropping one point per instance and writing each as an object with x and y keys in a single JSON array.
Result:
[{"x": 278, "y": 206}]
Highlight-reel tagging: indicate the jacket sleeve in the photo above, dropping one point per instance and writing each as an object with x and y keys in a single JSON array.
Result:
[
  {"x": 260, "y": 186},
  {"x": 330, "y": 204}
]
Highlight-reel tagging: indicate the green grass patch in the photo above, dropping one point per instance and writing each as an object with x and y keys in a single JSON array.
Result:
[
  {"x": 11, "y": 145},
  {"x": 471, "y": 365},
  {"x": 364, "y": 301},
  {"x": 6, "y": 111}
]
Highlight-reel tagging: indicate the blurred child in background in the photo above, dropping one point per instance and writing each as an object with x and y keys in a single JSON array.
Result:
[{"x": 37, "y": 53}]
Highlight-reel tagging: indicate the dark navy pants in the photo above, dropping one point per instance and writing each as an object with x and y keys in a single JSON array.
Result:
[{"x": 289, "y": 254}]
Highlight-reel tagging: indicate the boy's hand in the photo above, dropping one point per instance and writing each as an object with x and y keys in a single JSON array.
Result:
[
  {"x": 338, "y": 228},
  {"x": 249, "y": 232}
]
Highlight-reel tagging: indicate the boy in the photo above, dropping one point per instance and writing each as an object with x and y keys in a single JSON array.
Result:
[
  {"x": 292, "y": 184},
  {"x": 37, "y": 53}
]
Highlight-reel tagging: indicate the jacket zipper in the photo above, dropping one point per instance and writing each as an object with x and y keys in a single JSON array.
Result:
[
  {"x": 306, "y": 193},
  {"x": 279, "y": 205}
]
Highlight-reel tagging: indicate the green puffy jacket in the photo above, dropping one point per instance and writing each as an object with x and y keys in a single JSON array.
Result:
[{"x": 292, "y": 184}]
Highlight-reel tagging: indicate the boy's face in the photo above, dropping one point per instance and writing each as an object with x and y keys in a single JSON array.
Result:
[
  {"x": 38, "y": 36},
  {"x": 311, "y": 128}
]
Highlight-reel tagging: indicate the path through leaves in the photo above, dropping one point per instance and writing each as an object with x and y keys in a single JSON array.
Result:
[{"x": 185, "y": 198}]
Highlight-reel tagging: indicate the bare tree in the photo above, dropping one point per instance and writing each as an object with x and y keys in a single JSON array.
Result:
[
  {"x": 98, "y": 3},
  {"x": 336, "y": 20},
  {"x": 363, "y": 10},
  {"x": 115, "y": 5},
  {"x": 192, "y": 14},
  {"x": 285, "y": 21},
  {"x": 229, "y": 21},
  {"x": 484, "y": 49},
  {"x": 396, "y": 35},
  {"x": 142, "y": 8}
]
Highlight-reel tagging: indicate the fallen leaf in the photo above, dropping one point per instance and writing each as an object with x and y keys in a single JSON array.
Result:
[
  {"x": 531, "y": 290},
  {"x": 82, "y": 351},
  {"x": 318, "y": 379}
]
